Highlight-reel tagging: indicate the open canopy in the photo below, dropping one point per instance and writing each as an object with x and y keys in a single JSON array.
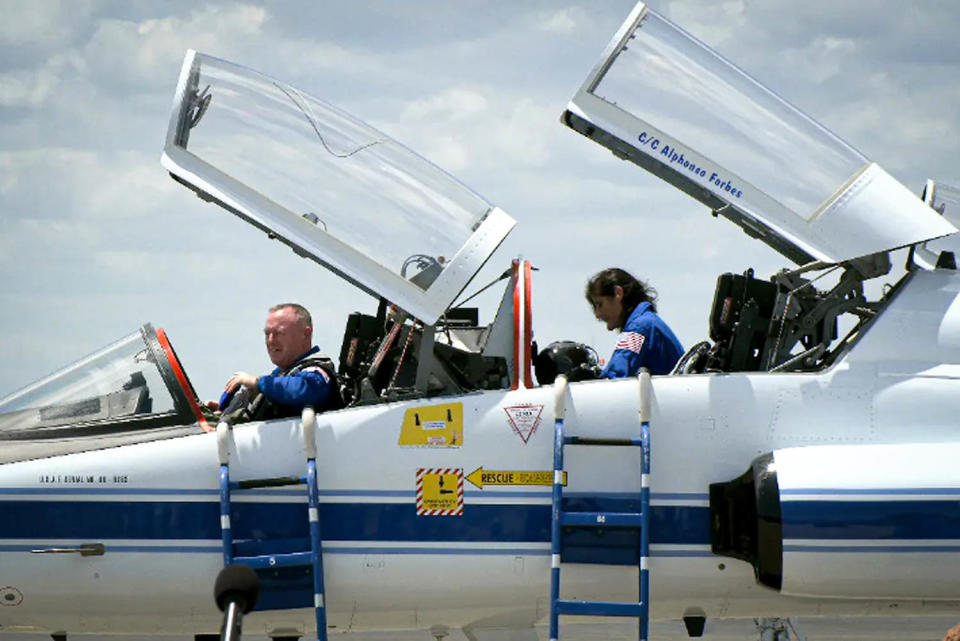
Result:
[
  {"x": 332, "y": 187},
  {"x": 672, "y": 105}
]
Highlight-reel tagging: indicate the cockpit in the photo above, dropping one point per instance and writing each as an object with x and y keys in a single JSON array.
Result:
[
  {"x": 666, "y": 102},
  {"x": 354, "y": 200}
]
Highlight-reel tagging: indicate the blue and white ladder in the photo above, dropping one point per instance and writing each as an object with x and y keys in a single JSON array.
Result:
[
  {"x": 594, "y": 520},
  {"x": 312, "y": 558}
]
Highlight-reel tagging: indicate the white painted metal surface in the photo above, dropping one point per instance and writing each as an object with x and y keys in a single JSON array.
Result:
[{"x": 840, "y": 478}]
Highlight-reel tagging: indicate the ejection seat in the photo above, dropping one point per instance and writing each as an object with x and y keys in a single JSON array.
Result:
[{"x": 391, "y": 356}]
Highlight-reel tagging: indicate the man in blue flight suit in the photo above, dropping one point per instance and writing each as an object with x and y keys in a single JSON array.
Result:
[
  {"x": 302, "y": 377},
  {"x": 629, "y": 305}
]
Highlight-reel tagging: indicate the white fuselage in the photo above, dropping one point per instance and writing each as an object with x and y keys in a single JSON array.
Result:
[{"x": 154, "y": 506}]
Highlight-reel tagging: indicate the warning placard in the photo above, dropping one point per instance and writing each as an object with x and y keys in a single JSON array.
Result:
[
  {"x": 481, "y": 477},
  {"x": 524, "y": 419},
  {"x": 440, "y": 491},
  {"x": 433, "y": 426}
]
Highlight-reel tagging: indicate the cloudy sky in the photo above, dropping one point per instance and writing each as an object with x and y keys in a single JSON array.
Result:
[{"x": 95, "y": 239}]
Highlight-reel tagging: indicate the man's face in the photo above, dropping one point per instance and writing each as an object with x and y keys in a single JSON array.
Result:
[{"x": 286, "y": 338}]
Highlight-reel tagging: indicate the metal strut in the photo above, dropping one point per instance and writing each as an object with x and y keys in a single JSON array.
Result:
[
  {"x": 640, "y": 520},
  {"x": 312, "y": 558}
]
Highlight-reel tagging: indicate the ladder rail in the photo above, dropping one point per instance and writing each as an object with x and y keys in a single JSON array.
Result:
[
  {"x": 313, "y": 514},
  {"x": 226, "y": 532},
  {"x": 559, "y": 413},
  {"x": 644, "y": 586},
  {"x": 223, "y": 456},
  {"x": 313, "y": 557},
  {"x": 641, "y": 519}
]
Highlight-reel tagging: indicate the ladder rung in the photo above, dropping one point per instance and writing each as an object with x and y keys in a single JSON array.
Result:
[
  {"x": 267, "y": 561},
  {"x": 602, "y": 519},
  {"x": 589, "y": 440},
  {"x": 600, "y": 608},
  {"x": 276, "y": 481}
]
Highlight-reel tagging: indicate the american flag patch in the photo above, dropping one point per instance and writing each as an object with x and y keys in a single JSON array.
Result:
[
  {"x": 318, "y": 370},
  {"x": 630, "y": 341}
]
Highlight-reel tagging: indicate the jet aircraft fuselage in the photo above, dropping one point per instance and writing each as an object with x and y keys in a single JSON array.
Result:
[{"x": 801, "y": 464}]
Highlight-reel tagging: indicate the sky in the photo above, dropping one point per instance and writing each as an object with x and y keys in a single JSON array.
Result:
[{"x": 96, "y": 239}]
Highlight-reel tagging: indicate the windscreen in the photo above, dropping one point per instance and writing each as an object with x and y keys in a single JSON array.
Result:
[{"x": 120, "y": 382}]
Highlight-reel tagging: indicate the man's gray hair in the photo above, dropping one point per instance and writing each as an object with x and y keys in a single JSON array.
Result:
[{"x": 303, "y": 316}]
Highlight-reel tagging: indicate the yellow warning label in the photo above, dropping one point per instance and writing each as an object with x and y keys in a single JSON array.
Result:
[
  {"x": 440, "y": 491},
  {"x": 481, "y": 477},
  {"x": 433, "y": 426}
]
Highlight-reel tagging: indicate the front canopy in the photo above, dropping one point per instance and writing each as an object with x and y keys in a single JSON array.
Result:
[{"x": 332, "y": 187}]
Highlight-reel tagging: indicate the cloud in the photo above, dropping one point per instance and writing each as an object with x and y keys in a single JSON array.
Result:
[
  {"x": 450, "y": 105},
  {"x": 823, "y": 58},
  {"x": 717, "y": 23},
  {"x": 43, "y": 182},
  {"x": 312, "y": 63},
  {"x": 521, "y": 134},
  {"x": 136, "y": 53},
  {"x": 447, "y": 152},
  {"x": 478, "y": 127},
  {"x": 27, "y": 89},
  {"x": 563, "y": 21},
  {"x": 34, "y": 87},
  {"x": 8, "y": 175},
  {"x": 63, "y": 183},
  {"x": 41, "y": 23},
  {"x": 450, "y": 115}
]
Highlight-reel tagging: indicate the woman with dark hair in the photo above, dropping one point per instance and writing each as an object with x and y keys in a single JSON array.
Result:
[{"x": 629, "y": 305}]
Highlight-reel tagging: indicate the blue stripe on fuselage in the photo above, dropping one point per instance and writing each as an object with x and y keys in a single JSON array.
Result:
[
  {"x": 912, "y": 519},
  {"x": 671, "y": 524},
  {"x": 97, "y": 520}
]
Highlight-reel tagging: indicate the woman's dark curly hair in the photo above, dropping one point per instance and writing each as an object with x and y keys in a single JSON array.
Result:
[{"x": 634, "y": 291}]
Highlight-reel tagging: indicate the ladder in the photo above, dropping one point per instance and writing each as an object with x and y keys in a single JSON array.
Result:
[
  {"x": 594, "y": 520},
  {"x": 312, "y": 558}
]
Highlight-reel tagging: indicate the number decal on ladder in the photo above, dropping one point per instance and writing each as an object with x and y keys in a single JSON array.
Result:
[{"x": 601, "y": 518}]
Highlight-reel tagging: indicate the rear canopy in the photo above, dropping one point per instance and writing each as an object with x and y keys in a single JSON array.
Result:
[{"x": 672, "y": 105}]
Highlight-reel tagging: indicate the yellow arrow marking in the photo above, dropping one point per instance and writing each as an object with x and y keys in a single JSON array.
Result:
[{"x": 481, "y": 477}]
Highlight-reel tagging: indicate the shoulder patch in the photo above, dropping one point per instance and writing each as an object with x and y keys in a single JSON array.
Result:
[
  {"x": 316, "y": 369},
  {"x": 630, "y": 341}
]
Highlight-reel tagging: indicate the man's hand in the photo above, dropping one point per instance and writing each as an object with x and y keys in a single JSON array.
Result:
[{"x": 238, "y": 379}]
